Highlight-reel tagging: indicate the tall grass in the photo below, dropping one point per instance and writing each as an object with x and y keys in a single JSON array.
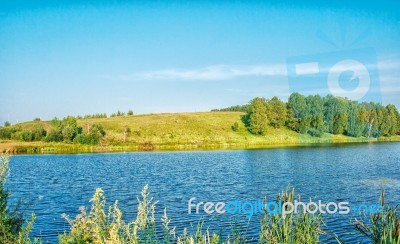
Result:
[
  {"x": 297, "y": 227},
  {"x": 384, "y": 226},
  {"x": 101, "y": 226},
  {"x": 13, "y": 228}
]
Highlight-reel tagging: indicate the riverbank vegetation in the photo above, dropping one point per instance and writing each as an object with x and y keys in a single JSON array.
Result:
[
  {"x": 13, "y": 228},
  {"x": 260, "y": 123},
  {"x": 384, "y": 227}
]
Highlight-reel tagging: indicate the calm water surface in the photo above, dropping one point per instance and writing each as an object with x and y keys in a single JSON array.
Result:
[{"x": 60, "y": 184}]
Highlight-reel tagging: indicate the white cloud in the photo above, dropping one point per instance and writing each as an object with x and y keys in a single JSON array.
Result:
[
  {"x": 217, "y": 72},
  {"x": 228, "y": 72}
]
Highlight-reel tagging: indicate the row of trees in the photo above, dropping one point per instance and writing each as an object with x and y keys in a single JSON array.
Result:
[
  {"x": 236, "y": 108},
  {"x": 316, "y": 115},
  {"x": 88, "y": 116},
  {"x": 66, "y": 130},
  {"x": 92, "y": 116},
  {"x": 104, "y": 115}
]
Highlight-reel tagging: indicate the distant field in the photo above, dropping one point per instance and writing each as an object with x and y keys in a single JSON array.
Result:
[{"x": 176, "y": 131}]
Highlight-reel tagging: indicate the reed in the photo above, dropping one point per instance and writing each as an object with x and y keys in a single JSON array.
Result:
[
  {"x": 297, "y": 227},
  {"x": 383, "y": 227},
  {"x": 100, "y": 226}
]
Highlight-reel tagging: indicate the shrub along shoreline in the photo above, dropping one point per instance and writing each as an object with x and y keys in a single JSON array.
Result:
[{"x": 13, "y": 147}]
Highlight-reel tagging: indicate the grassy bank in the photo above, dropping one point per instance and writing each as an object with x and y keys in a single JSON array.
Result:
[{"x": 175, "y": 131}]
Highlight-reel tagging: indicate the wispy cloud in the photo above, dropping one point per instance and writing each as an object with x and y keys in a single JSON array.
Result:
[
  {"x": 217, "y": 72},
  {"x": 393, "y": 64},
  {"x": 228, "y": 72}
]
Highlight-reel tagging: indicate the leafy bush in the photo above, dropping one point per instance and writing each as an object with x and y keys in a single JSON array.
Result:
[
  {"x": 54, "y": 135},
  {"x": 68, "y": 131},
  {"x": 6, "y": 133},
  {"x": 235, "y": 126},
  {"x": 86, "y": 139},
  {"x": 96, "y": 132},
  {"x": 26, "y": 135},
  {"x": 315, "y": 132},
  {"x": 38, "y": 132}
]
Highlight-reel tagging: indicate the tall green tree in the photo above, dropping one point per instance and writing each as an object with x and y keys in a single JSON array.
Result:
[
  {"x": 69, "y": 128},
  {"x": 276, "y": 112},
  {"x": 329, "y": 112},
  {"x": 398, "y": 124},
  {"x": 389, "y": 122},
  {"x": 369, "y": 117},
  {"x": 256, "y": 118},
  {"x": 296, "y": 110},
  {"x": 314, "y": 114},
  {"x": 355, "y": 126},
  {"x": 340, "y": 118},
  {"x": 335, "y": 114}
]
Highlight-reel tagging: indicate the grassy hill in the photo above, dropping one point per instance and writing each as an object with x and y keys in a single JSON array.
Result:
[{"x": 174, "y": 131}]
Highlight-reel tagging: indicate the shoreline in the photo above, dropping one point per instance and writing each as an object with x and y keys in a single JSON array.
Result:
[
  {"x": 29, "y": 148},
  {"x": 175, "y": 132}
]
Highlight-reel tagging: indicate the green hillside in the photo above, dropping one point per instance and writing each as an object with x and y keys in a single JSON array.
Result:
[{"x": 172, "y": 131}]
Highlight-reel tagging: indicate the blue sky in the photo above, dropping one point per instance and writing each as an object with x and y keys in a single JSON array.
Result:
[{"x": 60, "y": 58}]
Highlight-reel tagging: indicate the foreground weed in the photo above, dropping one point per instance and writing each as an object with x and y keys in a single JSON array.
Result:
[
  {"x": 384, "y": 227},
  {"x": 292, "y": 228}
]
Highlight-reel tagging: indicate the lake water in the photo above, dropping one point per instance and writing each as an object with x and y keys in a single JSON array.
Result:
[{"x": 60, "y": 184}]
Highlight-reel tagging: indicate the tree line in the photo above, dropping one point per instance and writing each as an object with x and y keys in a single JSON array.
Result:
[
  {"x": 316, "y": 115},
  {"x": 66, "y": 130}
]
